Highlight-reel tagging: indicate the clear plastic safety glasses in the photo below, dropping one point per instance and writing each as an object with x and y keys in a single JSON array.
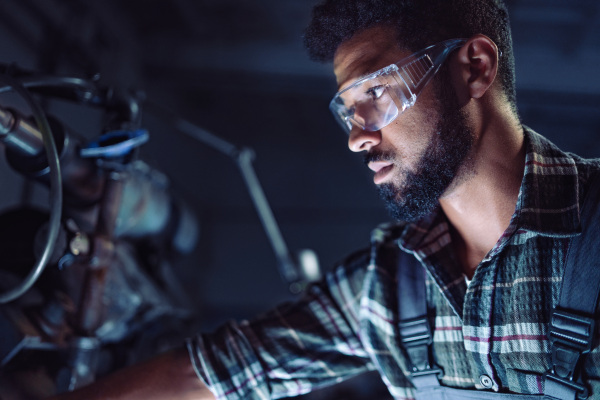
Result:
[{"x": 376, "y": 100}]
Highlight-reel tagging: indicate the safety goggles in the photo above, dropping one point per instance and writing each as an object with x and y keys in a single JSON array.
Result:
[{"x": 376, "y": 100}]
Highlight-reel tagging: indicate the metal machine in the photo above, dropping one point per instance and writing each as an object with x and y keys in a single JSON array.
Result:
[{"x": 86, "y": 286}]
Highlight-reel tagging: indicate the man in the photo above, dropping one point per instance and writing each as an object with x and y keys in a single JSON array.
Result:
[{"x": 487, "y": 207}]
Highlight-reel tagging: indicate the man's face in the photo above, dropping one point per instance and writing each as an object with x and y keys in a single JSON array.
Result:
[{"x": 417, "y": 157}]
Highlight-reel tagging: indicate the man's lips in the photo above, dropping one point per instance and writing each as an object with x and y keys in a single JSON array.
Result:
[{"x": 381, "y": 169}]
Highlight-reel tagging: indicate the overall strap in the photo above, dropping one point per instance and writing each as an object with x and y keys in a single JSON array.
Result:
[
  {"x": 416, "y": 336},
  {"x": 572, "y": 322},
  {"x": 416, "y": 340}
]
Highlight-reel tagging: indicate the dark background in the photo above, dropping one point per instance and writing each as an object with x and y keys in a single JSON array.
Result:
[{"x": 238, "y": 69}]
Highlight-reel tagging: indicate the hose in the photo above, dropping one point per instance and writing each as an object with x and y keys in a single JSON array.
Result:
[{"x": 56, "y": 195}]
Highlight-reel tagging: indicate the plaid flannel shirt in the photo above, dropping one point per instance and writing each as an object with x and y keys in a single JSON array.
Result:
[{"x": 489, "y": 335}]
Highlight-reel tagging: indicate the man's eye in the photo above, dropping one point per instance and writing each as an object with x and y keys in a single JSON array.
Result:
[{"x": 376, "y": 91}]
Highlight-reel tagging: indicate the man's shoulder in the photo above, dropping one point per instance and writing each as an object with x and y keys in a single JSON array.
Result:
[
  {"x": 559, "y": 164},
  {"x": 545, "y": 149},
  {"x": 356, "y": 260},
  {"x": 346, "y": 282},
  {"x": 586, "y": 167},
  {"x": 588, "y": 171},
  {"x": 385, "y": 234}
]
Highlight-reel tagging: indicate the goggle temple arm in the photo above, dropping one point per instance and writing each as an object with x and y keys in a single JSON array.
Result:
[{"x": 417, "y": 70}]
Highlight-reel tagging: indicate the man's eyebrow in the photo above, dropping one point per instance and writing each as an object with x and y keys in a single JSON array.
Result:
[{"x": 363, "y": 76}]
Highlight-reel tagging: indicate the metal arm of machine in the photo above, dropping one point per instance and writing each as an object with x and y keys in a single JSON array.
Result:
[{"x": 290, "y": 271}]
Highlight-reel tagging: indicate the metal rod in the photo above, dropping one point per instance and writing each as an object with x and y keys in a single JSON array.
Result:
[
  {"x": 206, "y": 137},
  {"x": 287, "y": 266},
  {"x": 243, "y": 158}
]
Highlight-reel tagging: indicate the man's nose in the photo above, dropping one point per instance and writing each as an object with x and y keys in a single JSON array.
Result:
[{"x": 363, "y": 140}]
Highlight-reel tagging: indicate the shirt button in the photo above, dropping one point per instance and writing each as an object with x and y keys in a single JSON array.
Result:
[{"x": 486, "y": 381}]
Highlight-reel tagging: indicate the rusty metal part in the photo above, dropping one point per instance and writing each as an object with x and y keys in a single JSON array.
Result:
[{"x": 91, "y": 307}]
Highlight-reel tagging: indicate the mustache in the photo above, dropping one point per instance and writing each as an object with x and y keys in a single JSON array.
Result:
[{"x": 378, "y": 156}]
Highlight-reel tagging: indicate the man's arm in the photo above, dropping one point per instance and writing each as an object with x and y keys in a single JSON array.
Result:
[{"x": 168, "y": 376}]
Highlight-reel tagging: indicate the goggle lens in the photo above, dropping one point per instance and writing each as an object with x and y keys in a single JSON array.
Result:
[
  {"x": 369, "y": 104},
  {"x": 375, "y": 101}
]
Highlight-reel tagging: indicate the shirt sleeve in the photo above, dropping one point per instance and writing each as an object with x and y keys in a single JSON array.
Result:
[{"x": 290, "y": 350}]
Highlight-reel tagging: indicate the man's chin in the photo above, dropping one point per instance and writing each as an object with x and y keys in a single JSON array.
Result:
[{"x": 406, "y": 205}]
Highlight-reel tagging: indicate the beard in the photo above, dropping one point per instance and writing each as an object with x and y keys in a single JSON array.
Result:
[{"x": 447, "y": 151}]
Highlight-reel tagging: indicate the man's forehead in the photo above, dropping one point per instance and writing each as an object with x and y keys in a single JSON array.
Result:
[{"x": 366, "y": 52}]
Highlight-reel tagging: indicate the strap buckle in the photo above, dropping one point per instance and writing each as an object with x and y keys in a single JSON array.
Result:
[
  {"x": 571, "y": 336},
  {"x": 415, "y": 331},
  {"x": 575, "y": 330},
  {"x": 416, "y": 338}
]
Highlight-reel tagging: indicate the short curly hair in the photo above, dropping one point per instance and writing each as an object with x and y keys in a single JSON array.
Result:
[{"x": 418, "y": 24}]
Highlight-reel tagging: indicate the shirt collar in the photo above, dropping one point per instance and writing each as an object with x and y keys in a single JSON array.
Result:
[{"x": 548, "y": 201}]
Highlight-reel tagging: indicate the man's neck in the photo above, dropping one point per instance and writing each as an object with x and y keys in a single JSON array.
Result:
[{"x": 480, "y": 206}]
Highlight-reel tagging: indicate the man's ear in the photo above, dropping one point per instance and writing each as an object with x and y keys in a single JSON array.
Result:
[{"x": 478, "y": 60}]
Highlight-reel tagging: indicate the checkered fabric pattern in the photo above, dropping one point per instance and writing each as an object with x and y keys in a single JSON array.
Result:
[{"x": 488, "y": 335}]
